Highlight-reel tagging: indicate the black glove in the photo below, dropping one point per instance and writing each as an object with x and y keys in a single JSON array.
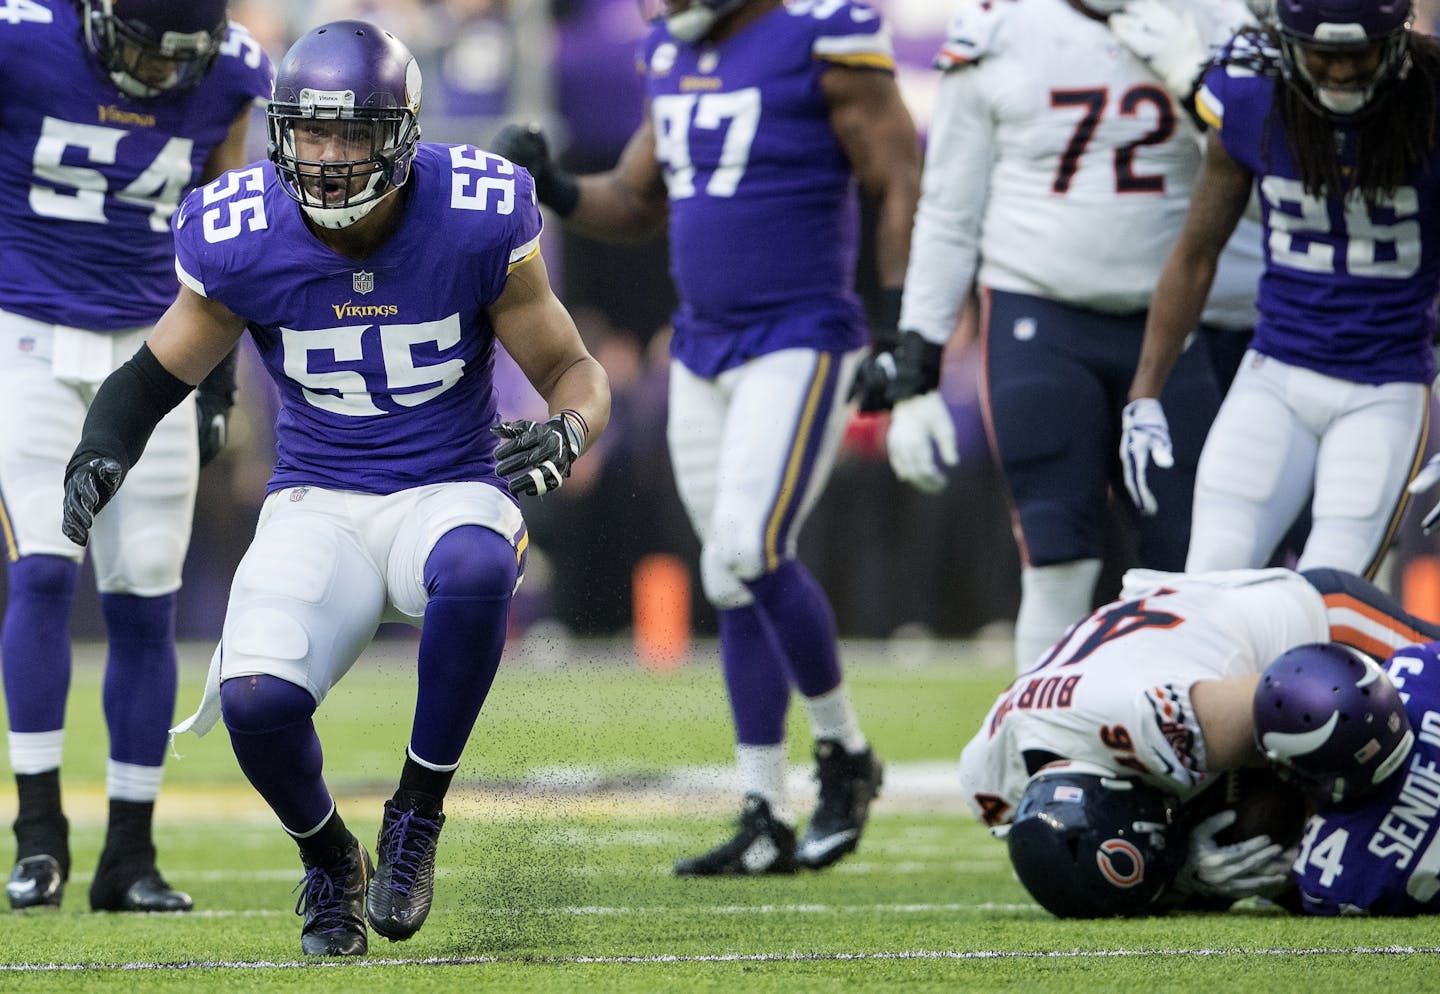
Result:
[
  {"x": 874, "y": 380},
  {"x": 536, "y": 457},
  {"x": 213, "y": 399},
  {"x": 917, "y": 366},
  {"x": 88, "y": 487},
  {"x": 525, "y": 145}
]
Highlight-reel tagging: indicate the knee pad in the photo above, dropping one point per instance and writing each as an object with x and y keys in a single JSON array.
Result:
[
  {"x": 471, "y": 561},
  {"x": 724, "y": 568},
  {"x": 255, "y": 704},
  {"x": 43, "y": 576}
]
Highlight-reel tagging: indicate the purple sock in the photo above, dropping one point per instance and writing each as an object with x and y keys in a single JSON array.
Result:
[
  {"x": 755, "y": 676},
  {"x": 140, "y": 676},
  {"x": 804, "y": 625},
  {"x": 273, "y": 735},
  {"x": 470, "y": 575},
  {"x": 35, "y": 642}
]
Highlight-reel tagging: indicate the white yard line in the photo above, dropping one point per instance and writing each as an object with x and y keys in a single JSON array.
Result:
[{"x": 792, "y": 957}]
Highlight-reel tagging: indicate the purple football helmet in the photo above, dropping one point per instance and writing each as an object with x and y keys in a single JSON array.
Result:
[
  {"x": 356, "y": 86},
  {"x": 1344, "y": 26},
  {"x": 690, "y": 20},
  {"x": 1330, "y": 719},
  {"x": 150, "y": 47},
  {"x": 1087, "y": 843}
]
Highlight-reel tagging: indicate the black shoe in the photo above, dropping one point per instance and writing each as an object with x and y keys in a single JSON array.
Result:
[
  {"x": 848, "y": 783},
  {"x": 140, "y": 889},
  {"x": 35, "y": 882},
  {"x": 763, "y": 845},
  {"x": 333, "y": 902},
  {"x": 399, "y": 897}
]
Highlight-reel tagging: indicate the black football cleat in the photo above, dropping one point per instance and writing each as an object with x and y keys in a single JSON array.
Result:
[
  {"x": 138, "y": 890},
  {"x": 332, "y": 902},
  {"x": 848, "y": 783},
  {"x": 399, "y": 898},
  {"x": 35, "y": 882},
  {"x": 762, "y": 845}
]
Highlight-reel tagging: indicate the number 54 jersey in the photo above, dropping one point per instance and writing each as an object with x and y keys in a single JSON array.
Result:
[
  {"x": 98, "y": 173},
  {"x": 1381, "y": 856},
  {"x": 384, "y": 366},
  {"x": 1116, "y": 689}
]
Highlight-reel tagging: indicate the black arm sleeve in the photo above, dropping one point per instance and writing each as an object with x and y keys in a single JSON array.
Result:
[
  {"x": 220, "y": 381},
  {"x": 126, "y": 409}
]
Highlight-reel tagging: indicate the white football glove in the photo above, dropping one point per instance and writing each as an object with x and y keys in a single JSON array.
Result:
[
  {"x": 1165, "y": 39},
  {"x": 1144, "y": 438},
  {"x": 1428, "y": 476},
  {"x": 1252, "y": 867},
  {"x": 921, "y": 427}
]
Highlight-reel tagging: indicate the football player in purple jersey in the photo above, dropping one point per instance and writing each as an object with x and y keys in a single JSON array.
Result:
[
  {"x": 761, "y": 119},
  {"x": 109, "y": 113},
  {"x": 1365, "y": 741},
  {"x": 1330, "y": 113},
  {"x": 375, "y": 274}
]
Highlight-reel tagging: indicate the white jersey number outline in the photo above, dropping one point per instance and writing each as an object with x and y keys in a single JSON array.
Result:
[
  {"x": 1393, "y": 221},
  {"x": 676, "y": 114},
  {"x": 159, "y": 186},
  {"x": 344, "y": 391}
]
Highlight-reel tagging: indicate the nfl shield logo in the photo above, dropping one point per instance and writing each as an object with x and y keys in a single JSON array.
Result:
[{"x": 362, "y": 281}]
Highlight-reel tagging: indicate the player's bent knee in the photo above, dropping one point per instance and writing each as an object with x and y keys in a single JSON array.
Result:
[
  {"x": 723, "y": 585},
  {"x": 471, "y": 561},
  {"x": 260, "y": 703},
  {"x": 44, "y": 576}
]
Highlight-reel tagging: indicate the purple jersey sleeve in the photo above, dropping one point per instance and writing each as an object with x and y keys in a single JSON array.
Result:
[
  {"x": 100, "y": 173},
  {"x": 763, "y": 214},
  {"x": 1382, "y": 856},
  {"x": 384, "y": 366},
  {"x": 1348, "y": 288}
]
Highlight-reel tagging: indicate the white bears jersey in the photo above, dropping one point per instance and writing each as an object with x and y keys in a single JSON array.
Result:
[
  {"x": 1058, "y": 166},
  {"x": 1116, "y": 689}
]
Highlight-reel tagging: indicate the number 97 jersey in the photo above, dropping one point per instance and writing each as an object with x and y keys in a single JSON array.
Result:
[
  {"x": 385, "y": 364},
  {"x": 762, "y": 200}
]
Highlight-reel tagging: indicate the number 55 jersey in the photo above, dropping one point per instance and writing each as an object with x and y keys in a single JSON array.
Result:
[{"x": 384, "y": 365}]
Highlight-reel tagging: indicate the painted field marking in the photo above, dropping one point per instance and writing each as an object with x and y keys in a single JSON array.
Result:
[{"x": 793, "y": 957}]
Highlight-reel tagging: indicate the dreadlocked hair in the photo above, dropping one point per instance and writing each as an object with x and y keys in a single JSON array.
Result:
[{"x": 1393, "y": 142}]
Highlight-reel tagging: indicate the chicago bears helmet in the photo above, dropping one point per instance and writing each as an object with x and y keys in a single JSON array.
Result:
[
  {"x": 1087, "y": 843},
  {"x": 362, "y": 76},
  {"x": 691, "y": 20},
  {"x": 1331, "y": 720},
  {"x": 150, "y": 47},
  {"x": 1343, "y": 26}
]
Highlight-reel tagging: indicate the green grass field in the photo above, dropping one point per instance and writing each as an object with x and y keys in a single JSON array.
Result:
[{"x": 582, "y": 784}]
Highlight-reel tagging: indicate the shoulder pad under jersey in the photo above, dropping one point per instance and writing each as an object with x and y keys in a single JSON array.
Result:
[{"x": 973, "y": 32}]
